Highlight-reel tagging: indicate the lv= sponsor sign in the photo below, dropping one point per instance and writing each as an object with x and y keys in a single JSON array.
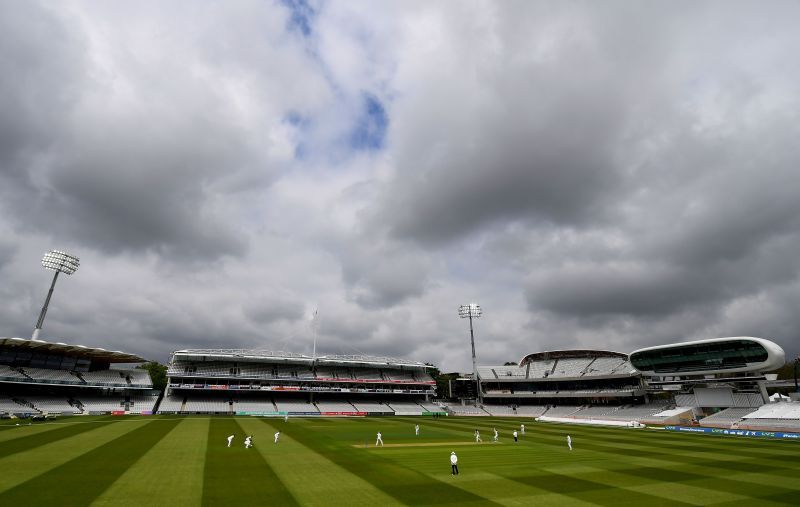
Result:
[{"x": 736, "y": 432}]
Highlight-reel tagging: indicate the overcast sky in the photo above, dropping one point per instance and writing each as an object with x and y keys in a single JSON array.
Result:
[{"x": 606, "y": 175}]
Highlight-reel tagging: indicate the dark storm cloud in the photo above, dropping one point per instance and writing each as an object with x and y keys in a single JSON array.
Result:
[{"x": 104, "y": 144}]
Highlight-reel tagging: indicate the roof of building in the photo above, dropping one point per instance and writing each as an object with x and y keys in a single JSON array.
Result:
[
  {"x": 566, "y": 354},
  {"x": 257, "y": 355},
  {"x": 81, "y": 351}
]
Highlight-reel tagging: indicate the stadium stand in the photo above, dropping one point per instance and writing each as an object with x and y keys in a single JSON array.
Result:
[
  {"x": 372, "y": 407},
  {"x": 562, "y": 411},
  {"x": 406, "y": 408},
  {"x": 335, "y": 406},
  {"x": 207, "y": 405},
  {"x": 725, "y": 418},
  {"x": 9, "y": 406},
  {"x": 780, "y": 416},
  {"x": 430, "y": 407},
  {"x": 52, "y": 405},
  {"x": 531, "y": 410},
  {"x": 99, "y": 404},
  {"x": 468, "y": 410},
  {"x": 171, "y": 404},
  {"x": 254, "y": 405},
  {"x": 500, "y": 410},
  {"x": 57, "y": 378},
  {"x": 295, "y": 406},
  {"x": 570, "y": 367},
  {"x": 562, "y": 378},
  {"x": 290, "y": 381}
]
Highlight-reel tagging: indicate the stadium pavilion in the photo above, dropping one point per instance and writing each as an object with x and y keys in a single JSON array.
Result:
[
  {"x": 270, "y": 383},
  {"x": 558, "y": 382},
  {"x": 720, "y": 382},
  {"x": 717, "y": 383},
  {"x": 43, "y": 378}
]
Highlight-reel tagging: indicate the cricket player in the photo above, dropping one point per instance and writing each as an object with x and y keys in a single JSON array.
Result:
[
  {"x": 569, "y": 442},
  {"x": 495, "y": 434},
  {"x": 522, "y": 429},
  {"x": 277, "y": 434},
  {"x": 230, "y": 439},
  {"x": 416, "y": 429},
  {"x": 515, "y": 435},
  {"x": 247, "y": 442},
  {"x": 286, "y": 418},
  {"x": 379, "y": 440},
  {"x": 478, "y": 436},
  {"x": 454, "y": 463}
]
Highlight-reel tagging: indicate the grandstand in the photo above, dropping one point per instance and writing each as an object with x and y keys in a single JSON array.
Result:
[
  {"x": 260, "y": 382},
  {"x": 563, "y": 378},
  {"x": 38, "y": 377}
]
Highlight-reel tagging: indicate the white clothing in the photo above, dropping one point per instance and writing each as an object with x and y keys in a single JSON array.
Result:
[
  {"x": 569, "y": 442},
  {"x": 515, "y": 433},
  {"x": 453, "y": 459},
  {"x": 286, "y": 418},
  {"x": 276, "y": 436},
  {"x": 379, "y": 440},
  {"x": 522, "y": 428},
  {"x": 247, "y": 443},
  {"x": 478, "y": 436},
  {"x": 495, "y": 434},
  {"x": 230, "y": 439},
  {"x": 416, "y": 429}
]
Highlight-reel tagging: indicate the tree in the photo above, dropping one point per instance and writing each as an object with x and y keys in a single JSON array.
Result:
[{"x": 158, "y": 374}]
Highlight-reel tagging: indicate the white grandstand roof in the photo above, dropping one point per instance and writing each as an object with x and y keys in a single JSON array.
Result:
[
  {"x": 112, "y": 356},
  {"x": 293, "y": 357}
]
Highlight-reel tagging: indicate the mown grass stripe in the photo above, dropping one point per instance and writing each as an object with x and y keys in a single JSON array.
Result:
[
  {"x": 403, "y": 483},
  {"x": 595, "y": 492},
  {"x": 235, "y": 475},
  {"x": 90, "y": 474},
  {"x": 170, "y": 473},
  {"x": 294, "y": 463},
  {"x": 28, "y": 442},
  {"x": 24, "y": 466}
]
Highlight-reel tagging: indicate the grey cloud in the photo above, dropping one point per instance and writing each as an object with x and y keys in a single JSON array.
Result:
[{"x": 606, "y": 176}]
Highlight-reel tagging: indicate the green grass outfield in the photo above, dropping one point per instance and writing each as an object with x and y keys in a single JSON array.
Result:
[{"x": 174, "y": 461}]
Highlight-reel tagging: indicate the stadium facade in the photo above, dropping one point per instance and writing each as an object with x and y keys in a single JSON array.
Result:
[
  {"x": 275, "y": 383},
  {"x": 718, "y": 383},
  {"x": 39, "y": 378},
  {"x": 566, "y": 379}
]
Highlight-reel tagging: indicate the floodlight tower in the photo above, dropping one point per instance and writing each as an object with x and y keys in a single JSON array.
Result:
[
  {"x": 471, "y": 311},
  {"x": 60, "y": 262}
]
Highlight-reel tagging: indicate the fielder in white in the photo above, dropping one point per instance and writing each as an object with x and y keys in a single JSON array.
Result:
[
  {"x": 569, "y": 442},
  {"x": 522, "y": 429},
  {"x": 230, "y": 439},
  {"x": 478, "y": 436},
  {"x": 247, "y": 443},
  {"x": 286, "y": 418},
  {"x": 379, "y": 440},
  {"x": 277, "y": 434},
  {"x": 416, "y": 429},
  {"x": 495, "y": 434}
]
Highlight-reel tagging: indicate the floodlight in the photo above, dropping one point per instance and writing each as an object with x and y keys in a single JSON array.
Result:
[
  {"x": 60, "y": 262},
  {"x": 472, "y": 311}
]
